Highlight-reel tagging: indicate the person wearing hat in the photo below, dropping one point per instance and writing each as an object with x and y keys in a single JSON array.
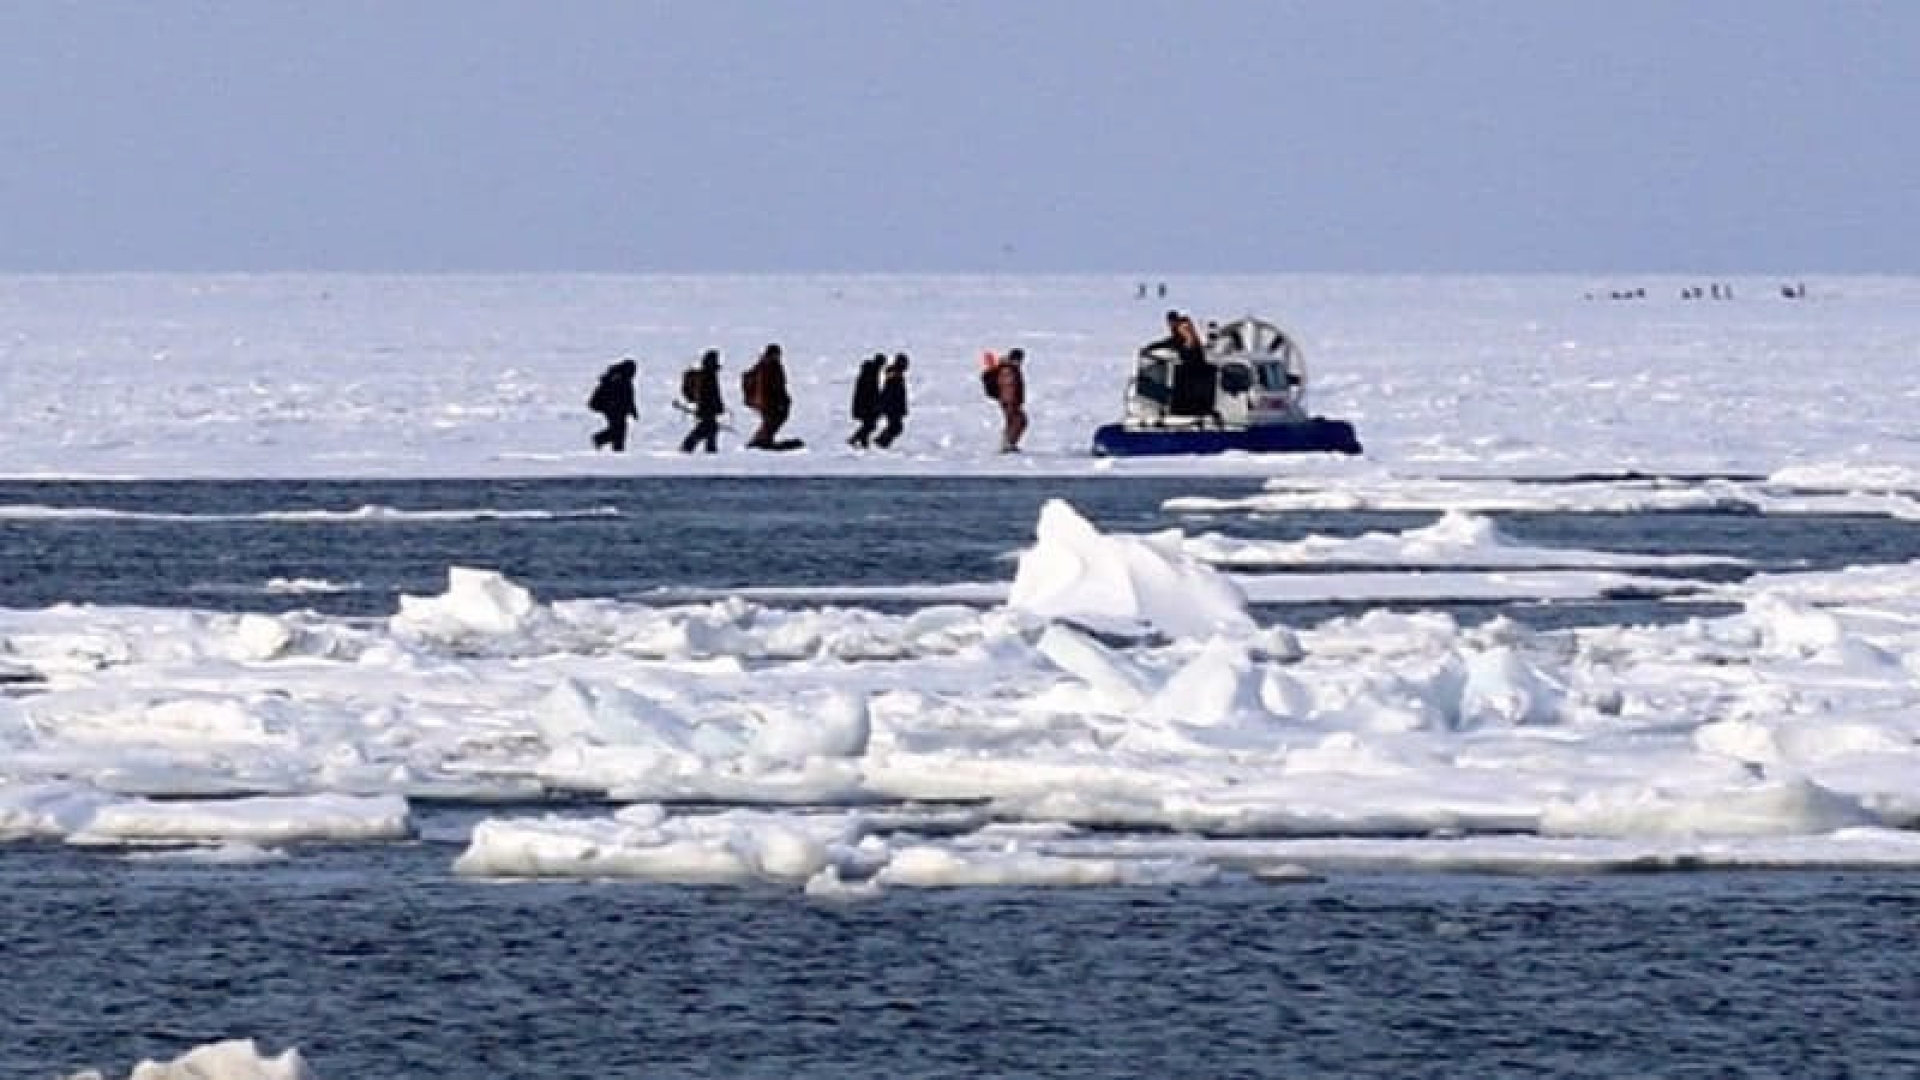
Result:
[
  {"x": 612, "y": 398},
  {"x": 1013, "y": 400},
  {"x": 705, "y": 404},
  {"x": 766, "y": 391},
  {"x": 893, "y": 400}
]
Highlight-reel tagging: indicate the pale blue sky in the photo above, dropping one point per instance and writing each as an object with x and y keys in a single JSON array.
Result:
[{"x": 1129, "y": 135}]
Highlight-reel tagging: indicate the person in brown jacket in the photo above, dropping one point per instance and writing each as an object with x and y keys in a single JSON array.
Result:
[
  {"x": 1013, "y": 400},
  {"x": 764, "y": 387}
]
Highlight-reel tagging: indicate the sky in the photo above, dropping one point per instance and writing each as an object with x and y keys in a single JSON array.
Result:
[{"x": 1134, "y": 136}]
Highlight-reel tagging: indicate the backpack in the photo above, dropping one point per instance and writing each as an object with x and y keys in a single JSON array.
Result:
[
  {"x": 990, "y": 381},
  {"x": 750, "y": 386},
  {"x": 602, "y": 397},
  {"x": 690, "y": 386}
]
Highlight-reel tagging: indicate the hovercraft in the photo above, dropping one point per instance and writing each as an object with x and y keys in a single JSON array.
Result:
[{"x": 1250, "y": 395}]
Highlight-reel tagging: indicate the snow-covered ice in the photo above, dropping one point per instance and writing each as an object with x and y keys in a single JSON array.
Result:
[
  {"x": 1458, "y": 539},
  {"x": 265, "y": 819},
  {"x": 449, "y": 375},
  {"x": 827, "y": 853},
  {"x": 85, "y": 815}
]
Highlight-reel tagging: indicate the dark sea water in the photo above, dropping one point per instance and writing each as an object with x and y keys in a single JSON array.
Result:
[
  {"x": 218, "y": 544},
  {"x": 376, "y": 962}
]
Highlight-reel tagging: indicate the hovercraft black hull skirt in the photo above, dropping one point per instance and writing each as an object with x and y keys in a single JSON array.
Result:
[{"x": 1314, "y": 435}]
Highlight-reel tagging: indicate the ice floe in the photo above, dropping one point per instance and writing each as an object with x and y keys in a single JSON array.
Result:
[
  {"x": 1457, "y": 539},
  {"x": 1129, "y": 687},
  {"x": 734, "y": 846},
  {"x": 85, "y": 815},
  {"x": 826, "y": 853},
  {"x": 231, "y": 1059}
]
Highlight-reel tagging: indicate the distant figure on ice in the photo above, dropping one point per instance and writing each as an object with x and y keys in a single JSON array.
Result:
[
  {"x": 866, "y": 400},
  {"x": 1006, "y": 383},
  {"x": 700, "y": 394},
  {"x": 893, "y": 400},
  {"x": 612, "y": 398},
  {"x": 764, "y": 388}
]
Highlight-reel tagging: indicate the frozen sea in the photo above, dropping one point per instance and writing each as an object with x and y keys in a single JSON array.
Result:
[{"x": 347, "y": 704}]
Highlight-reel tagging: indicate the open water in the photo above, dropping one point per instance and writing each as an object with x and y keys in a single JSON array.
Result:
[
  {"x": 216, "y": 545},
  {"x": 377, "y": 962}
]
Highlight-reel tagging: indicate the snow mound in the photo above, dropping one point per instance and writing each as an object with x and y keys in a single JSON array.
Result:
[
  {"x": 1122, "y": 583},
  {"x": 260, "y": 637},
  {"x": 830, "y": 723},
  {"x": 1790, "y": 628},
  {"x": 1502, "y": 688},
  {"x": 476, "y": 602}
]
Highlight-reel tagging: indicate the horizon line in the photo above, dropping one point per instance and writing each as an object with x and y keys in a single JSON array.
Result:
[{"x": 1145, "y": 276}]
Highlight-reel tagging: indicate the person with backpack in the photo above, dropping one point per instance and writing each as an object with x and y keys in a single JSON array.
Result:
[
  {"x": 764, "y": 388},
  {"x": 700, "y": 392},
  {"x": 1004, "y": 380},
  {"x": 893, "y": 401},
  {"x": 866, "y": 400},
  {"x": 612, "y": 398}
]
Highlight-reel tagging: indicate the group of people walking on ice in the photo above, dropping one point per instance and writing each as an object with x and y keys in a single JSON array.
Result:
[{"x": 879, "y": 401}]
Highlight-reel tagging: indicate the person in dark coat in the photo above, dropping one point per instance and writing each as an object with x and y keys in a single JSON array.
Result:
[
  {"x": 707, "y": 405},
  {"x": 893, "y": 400},
  {"x": 1194, "y": 377},
  {"x": 613, "y": 400},
  {"x": 771, "y": 399},
  {"x": 866, "y": 400},
  {"x": 1011, "y": 377}
]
